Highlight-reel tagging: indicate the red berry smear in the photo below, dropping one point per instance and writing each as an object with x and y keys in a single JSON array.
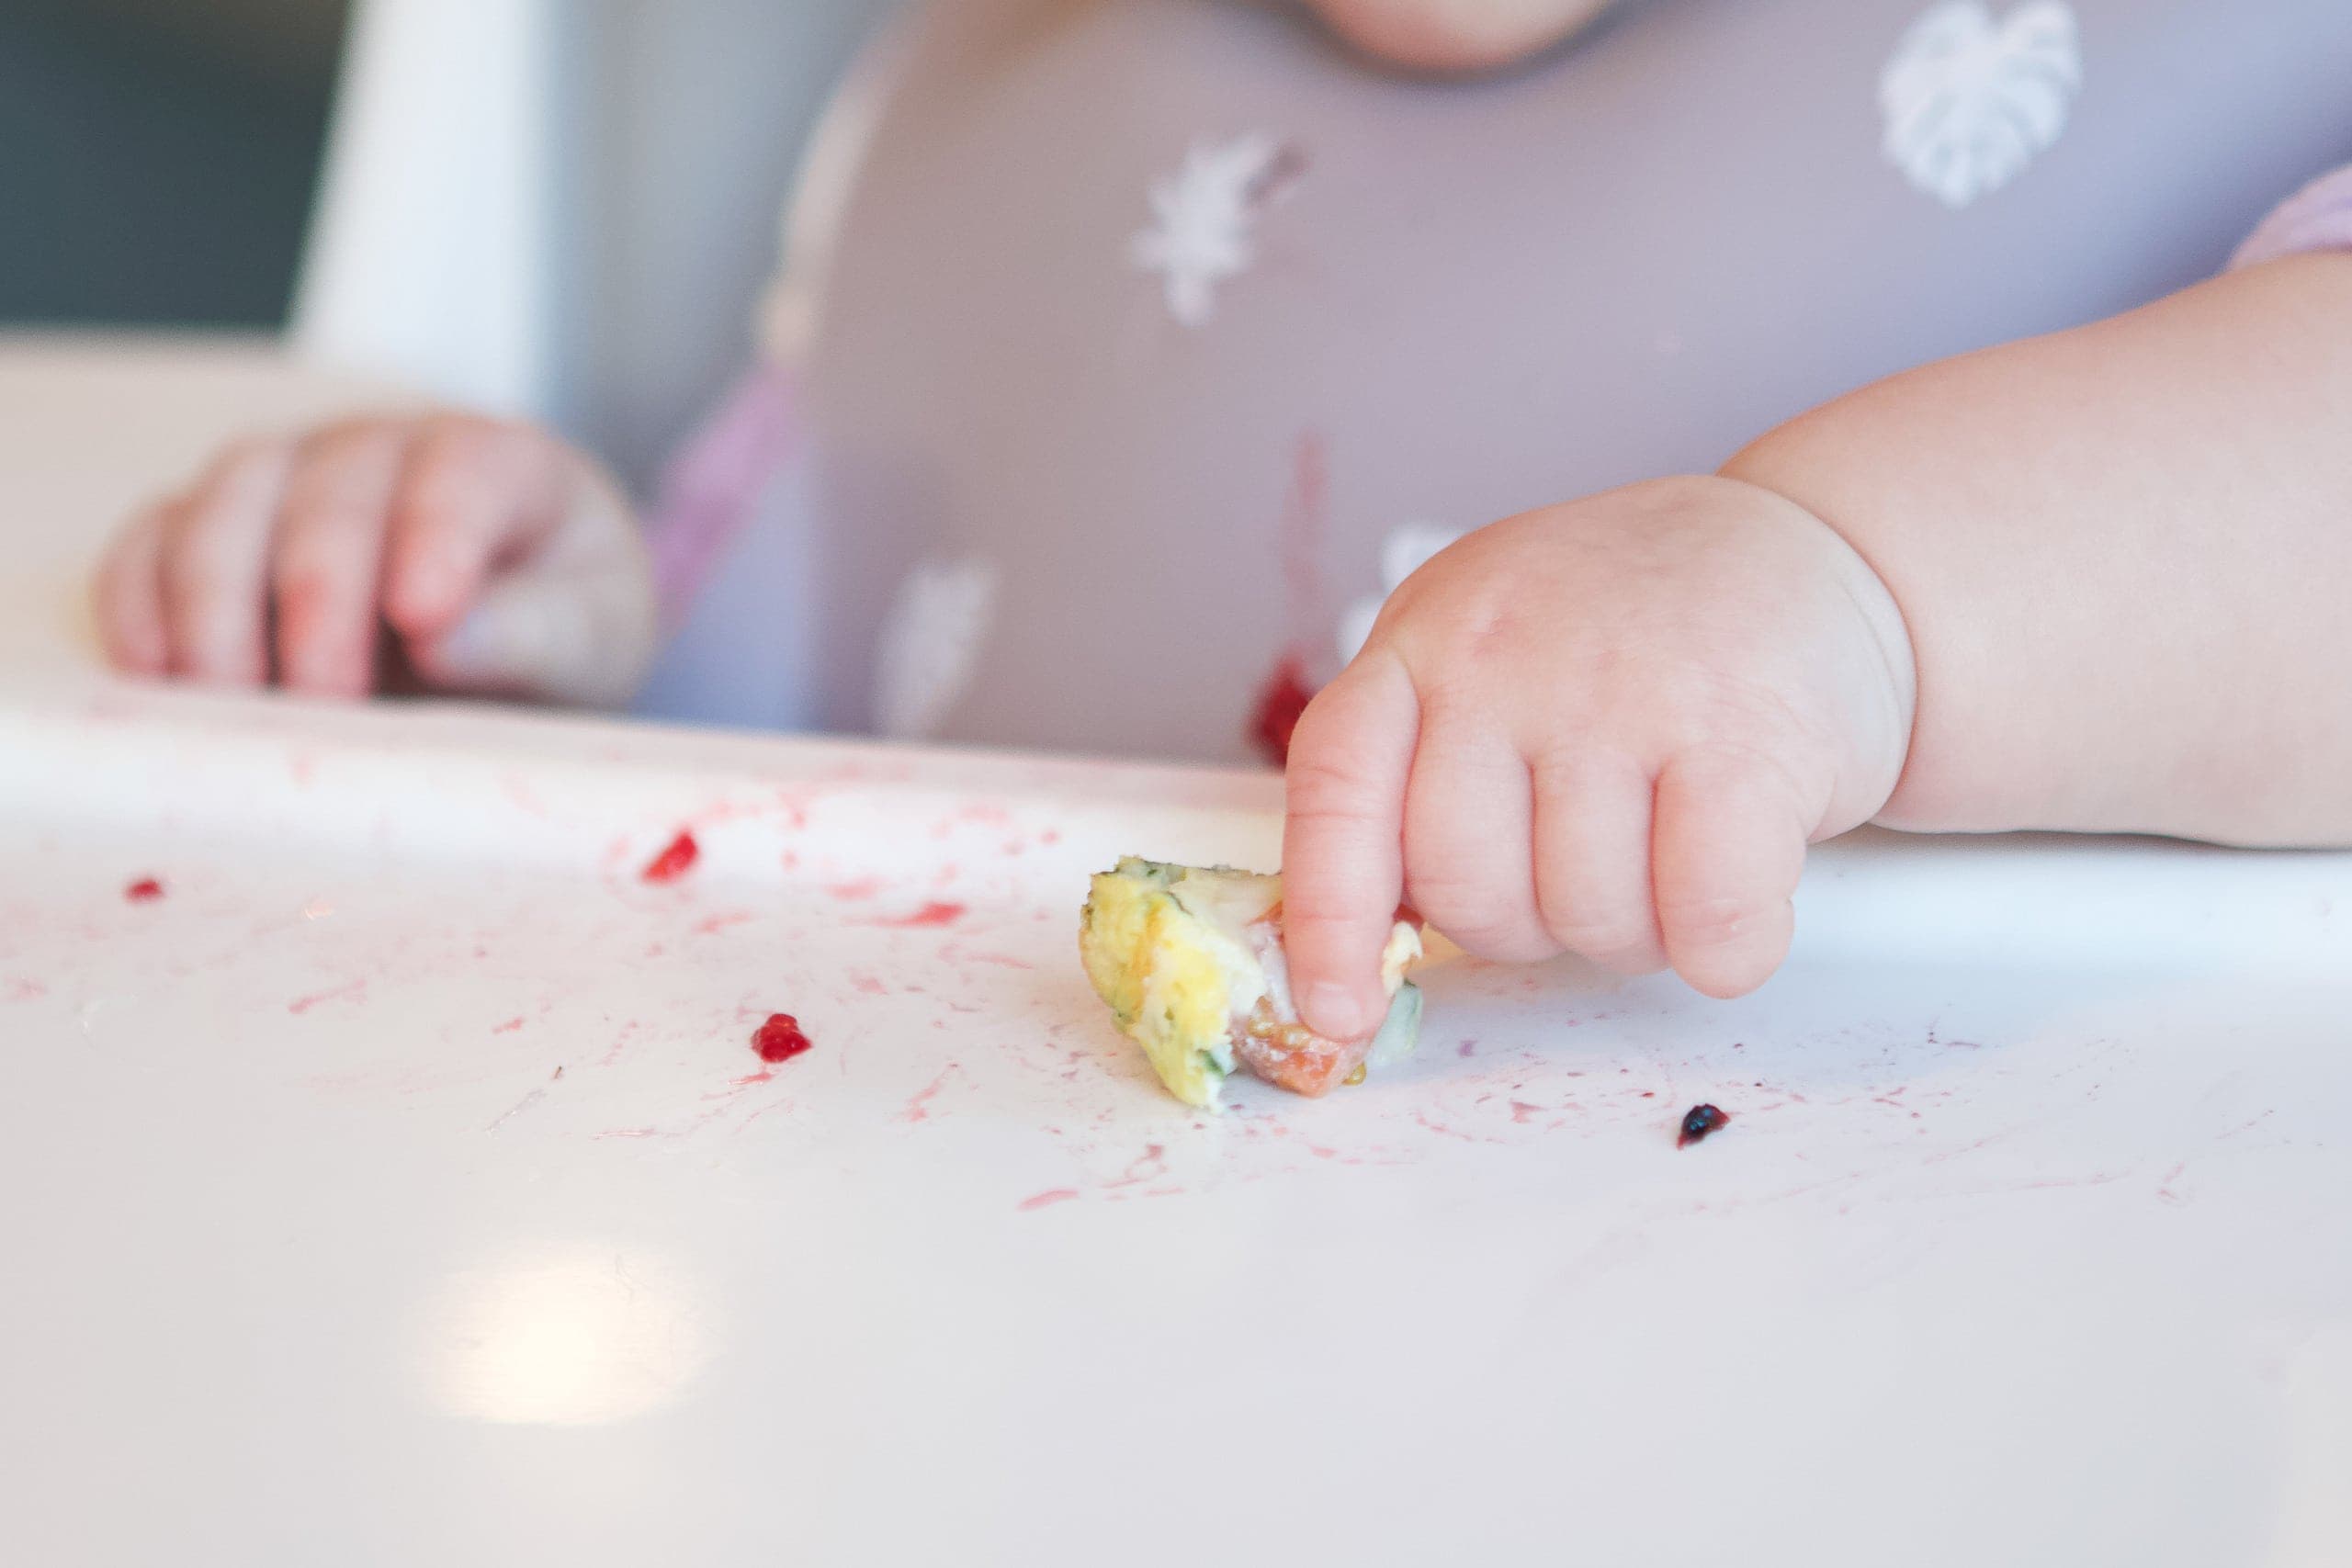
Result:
[
  {"x": 1281, "y": 700},
  {"x": 674, "y": 862},
  {"x": 146, "y": 890},
  {"x": 1698, "y": 1122},
  {"x": 779, "y": 1039},
  {"x": 929, "y": 916}
]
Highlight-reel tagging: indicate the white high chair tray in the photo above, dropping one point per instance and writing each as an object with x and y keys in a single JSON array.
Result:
[{"x": 401, "y": 1186}]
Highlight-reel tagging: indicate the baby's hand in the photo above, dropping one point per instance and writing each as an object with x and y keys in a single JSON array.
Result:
[
  {"x": 1609, "y": 727},
  {"x": 486, "y": 557}
]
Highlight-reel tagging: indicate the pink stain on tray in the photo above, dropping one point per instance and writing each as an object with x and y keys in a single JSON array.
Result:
[
  {"x": 146, "y": 890},
  {"x": 509, "y": 1027},
  {"x": 675, "y": 861},
  {"x": 712, "y": 925},
  {"x": 350, "y": 991},
  {"x": 931, "y": 917},
  {"x": 1046, "y": 1199},
  {"x": 852, "y": 892},
  {"x": 918, "y": 1107}
]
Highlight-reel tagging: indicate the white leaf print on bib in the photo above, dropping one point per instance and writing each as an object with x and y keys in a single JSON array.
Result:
[
  {"x": 1402, "y": 553},
  {"x": 930, "y": 642},
  {"x": 1970, "y": 101},
  {"x": 1204, "y": 216}
]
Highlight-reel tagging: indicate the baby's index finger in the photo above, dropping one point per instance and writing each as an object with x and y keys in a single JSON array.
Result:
[{"x": 1343, "y": 865}]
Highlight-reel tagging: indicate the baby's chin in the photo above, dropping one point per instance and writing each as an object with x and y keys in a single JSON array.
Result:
[{"x": 1457, "y": 37}]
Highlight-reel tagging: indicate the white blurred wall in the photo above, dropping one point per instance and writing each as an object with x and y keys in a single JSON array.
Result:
[{"x": 565, "y": 207}]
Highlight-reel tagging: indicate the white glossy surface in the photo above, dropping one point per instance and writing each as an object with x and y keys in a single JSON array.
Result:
[{"x": 401, "y": 1186}]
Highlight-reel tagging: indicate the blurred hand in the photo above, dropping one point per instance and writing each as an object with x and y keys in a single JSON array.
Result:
[
  {"x": 484, "y": 558},
  {"x": 1455, "y": 36},
  {"x": 1609, "y": 727}
]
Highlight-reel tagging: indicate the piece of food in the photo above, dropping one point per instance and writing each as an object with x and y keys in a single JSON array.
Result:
[
  {"x": 1698, "y": 1122},
  {"x": 780, "y": 1039},
  {"x": 675, "y": 861},
  {"x": 1191, "y": 962}
]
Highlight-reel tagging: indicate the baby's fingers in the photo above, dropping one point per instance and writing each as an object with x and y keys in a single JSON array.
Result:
[
  {"x": 476, "y": 497},
  {"x": 1592, "y": 858},
  {"x": 330, "y": 555},
  {"x": 1343, "y": 868},
  {"x": 129, "y": 601},
  {"x": 1726, "y": 849},
  {"x": 213, "y": 561}
]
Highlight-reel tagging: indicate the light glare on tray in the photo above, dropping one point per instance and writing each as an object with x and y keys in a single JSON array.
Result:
[{"x": 582, "y": 1337}]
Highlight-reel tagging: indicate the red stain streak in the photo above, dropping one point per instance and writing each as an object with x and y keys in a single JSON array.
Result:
[
  {"x": 1049, "y": 1199},
  {"x": 714, "y": 924},
  {"x": 1280, "y": 702},
  {"x": 2164, "y": 1188},
  {"x": 852, "y": 892},
  {"x": 509, "y": 1027},
  {"x": 620, "y": 1043},
  {"x": 918, "y": 1109},
  {"x": 146, "y": 890},
  {"x": 1305, "y": 521},
  {"x": 351, "y": 990},
  {"x": 1050, "y": 837},
  {"x": 869, "y": 985},
  {"x": 1522, "y": 1113},
  {"x": 929, "y": 917},
  {"x": 674, "y": 862},
  {"x": 26, "y": 991}
]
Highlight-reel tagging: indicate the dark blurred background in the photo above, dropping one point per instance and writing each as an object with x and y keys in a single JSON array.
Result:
[
  {"x": 198, "y": 123},
  {"x": 160, "y": 161}
]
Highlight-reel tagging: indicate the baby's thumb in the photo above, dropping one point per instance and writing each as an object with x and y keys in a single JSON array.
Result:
[{"x": 582, "y": 638}]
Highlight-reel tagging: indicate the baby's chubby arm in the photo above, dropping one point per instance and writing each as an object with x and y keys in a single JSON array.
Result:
[{"x": 2099, "y": 581}]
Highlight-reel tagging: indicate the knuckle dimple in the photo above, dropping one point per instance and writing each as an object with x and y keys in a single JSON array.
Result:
[
  {"x": 1500, "y": 940},
  {"x": 1603, "y": 938}
]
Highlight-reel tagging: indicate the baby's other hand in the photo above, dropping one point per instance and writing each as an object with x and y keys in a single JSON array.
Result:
[
  {"x": 1609, "y": 727},
  {"x": 486, "y": 557}
]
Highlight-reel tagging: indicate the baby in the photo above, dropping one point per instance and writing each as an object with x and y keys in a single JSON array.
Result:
[{"x": 1114, "y": 329}]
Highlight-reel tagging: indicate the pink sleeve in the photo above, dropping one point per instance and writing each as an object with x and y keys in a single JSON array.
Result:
[
  {"x": 712, "y": 486},
  {"x": 2317, "y": 218}
]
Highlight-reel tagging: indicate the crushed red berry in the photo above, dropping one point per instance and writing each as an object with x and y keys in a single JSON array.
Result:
[
  {"x": 1698, "y": 1122},
  {"x": 780, "y": 1039},
  {"x": 146, "y": 890},
  {"x": 674, "y": 862},
  {"x": 1281, "y": 701}
]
